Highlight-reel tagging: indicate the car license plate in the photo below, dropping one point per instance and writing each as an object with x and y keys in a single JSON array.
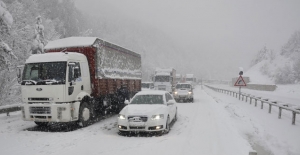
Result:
[{"x": 136, "y": 123}]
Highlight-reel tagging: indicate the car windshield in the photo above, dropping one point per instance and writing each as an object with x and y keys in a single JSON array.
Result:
[
  {"x": 183, "y": 86},
  {"x": 162, "y": 78},
  {"x": 148, "y": 99},
  {"x": 43, "y": 73}
]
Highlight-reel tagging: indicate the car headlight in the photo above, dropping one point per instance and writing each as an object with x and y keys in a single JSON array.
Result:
[
  {"x": 157, "y": 117},
  {"x": 190, "y": 92},
  {"x": 120, "y": 116},
  {"x": 175, "y": 92}
]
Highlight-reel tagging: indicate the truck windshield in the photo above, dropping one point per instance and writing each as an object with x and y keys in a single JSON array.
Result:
[
  {"x": 189, "y": 79},
  {"x": 162, "y": 79},
  {"x": 44, "y": 73}
]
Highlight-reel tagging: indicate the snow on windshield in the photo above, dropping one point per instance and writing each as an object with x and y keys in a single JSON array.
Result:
[
  {"x": 148, "y": 99},
  {"x": 50, "y": 71}
]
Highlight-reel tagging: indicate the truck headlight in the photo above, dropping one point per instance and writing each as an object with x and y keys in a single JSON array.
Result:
[
  {"x": 157, "y": 117},
  {"x": 120, "y": 116}
]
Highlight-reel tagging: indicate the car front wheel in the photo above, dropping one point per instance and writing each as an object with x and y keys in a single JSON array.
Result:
[{"x": 167, "y": 129}]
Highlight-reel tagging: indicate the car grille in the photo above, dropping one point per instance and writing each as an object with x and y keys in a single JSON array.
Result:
[
  {"x": 137, "y": 118},
  {"x": 136, "y": 127},
  {"x": 40, "y": 110}
]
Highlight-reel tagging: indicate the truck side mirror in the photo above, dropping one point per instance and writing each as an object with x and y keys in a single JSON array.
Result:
[
  {"x": 76, "y": 72},
  {"x": 19, "y": 73}
]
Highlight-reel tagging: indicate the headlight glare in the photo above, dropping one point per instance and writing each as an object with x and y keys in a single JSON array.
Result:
[
  {"x": 120, "y": 116},
  {"x": 157, "y": 117}
]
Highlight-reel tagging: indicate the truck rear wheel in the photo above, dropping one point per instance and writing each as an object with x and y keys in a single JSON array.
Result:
[{"x": 85, "y": 114}]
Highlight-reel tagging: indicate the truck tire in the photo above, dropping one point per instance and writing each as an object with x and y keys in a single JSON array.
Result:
[
  {"x": 85, "y": 115},
  {"x": 41, "y": 123}
]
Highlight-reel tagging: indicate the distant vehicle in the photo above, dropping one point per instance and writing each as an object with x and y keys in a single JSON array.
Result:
[
  {"x": 78, "y": 78},
  {"x": 164, "y": 79},
  {"x": 178, "y": 78},
  {"x": 147, "y": 85},
  {"x": 184, "y": 92},
  {"x": 189, "y": 78},
  {"x": 150, "y": 111}
]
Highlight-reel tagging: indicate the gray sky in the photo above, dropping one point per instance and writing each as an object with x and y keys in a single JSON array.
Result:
[{"x": 226, "y": 32}]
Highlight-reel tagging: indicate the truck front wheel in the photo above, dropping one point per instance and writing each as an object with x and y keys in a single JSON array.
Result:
[
  {"x": 85, "y": 115},
  {"x": 41, "y": 123}
]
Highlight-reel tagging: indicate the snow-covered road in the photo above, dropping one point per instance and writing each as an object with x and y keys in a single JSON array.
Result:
[{"x": 206, "y": 127}]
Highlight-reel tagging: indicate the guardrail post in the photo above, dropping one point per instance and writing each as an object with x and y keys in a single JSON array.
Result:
[
  {"x": 250, "y": 98},
  {"x": 294, "y": 118},
  {"x": 262, "y": 103},
  {"x": 279, "y": 113},
  {"x": 255, "y": 102},
  {"x": 270, "y": 107},
  {"x": 7, "y": 113},
  {"x": 246, "y": 98},
  {"x": 242, "y": 97}
]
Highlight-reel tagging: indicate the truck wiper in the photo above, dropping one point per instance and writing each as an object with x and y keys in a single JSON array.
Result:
[
  {"x": 29, "y": 82},
  {"x": 49, "y": 82}
]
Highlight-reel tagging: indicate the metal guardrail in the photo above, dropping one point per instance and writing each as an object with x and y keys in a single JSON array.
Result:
[
  {"x": 262, "y": 101},
  {"x": 10, "y": 109}
]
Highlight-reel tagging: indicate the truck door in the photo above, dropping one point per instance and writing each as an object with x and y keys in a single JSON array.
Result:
[{"x": 75, "y": 84}]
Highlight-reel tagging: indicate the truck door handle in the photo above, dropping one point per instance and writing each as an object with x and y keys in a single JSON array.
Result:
[{"x": 81, "y": 87}]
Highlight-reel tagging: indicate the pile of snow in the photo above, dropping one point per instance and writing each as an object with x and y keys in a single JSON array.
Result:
[{"x": 255, "y": 75}]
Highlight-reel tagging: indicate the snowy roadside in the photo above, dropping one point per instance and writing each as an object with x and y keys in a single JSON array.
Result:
[
  {"x": 265, "y": 131},
  {"x": 203, "y": 127},
  {"x": 287, "y": 94}
]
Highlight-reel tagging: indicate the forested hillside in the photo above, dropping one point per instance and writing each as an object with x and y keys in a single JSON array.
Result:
[
  {"x": 281, "y": 66},
  {"x": 60, "y": 19}
]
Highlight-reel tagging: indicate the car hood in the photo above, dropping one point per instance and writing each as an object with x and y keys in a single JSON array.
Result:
[{"x": 144, "y": 109}]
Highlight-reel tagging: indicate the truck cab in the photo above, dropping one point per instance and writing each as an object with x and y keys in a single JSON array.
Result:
[{"x": 53, "y": 85}]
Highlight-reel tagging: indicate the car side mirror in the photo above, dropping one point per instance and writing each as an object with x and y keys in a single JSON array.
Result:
[
  {"x": 126, "y": 102},
  {"x": 170, "y": 102}
]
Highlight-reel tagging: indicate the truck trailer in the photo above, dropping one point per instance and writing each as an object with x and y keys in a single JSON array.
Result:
[{"x": 78, "y": 79}]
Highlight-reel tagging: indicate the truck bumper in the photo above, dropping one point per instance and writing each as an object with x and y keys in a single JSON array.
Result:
[{"x": 64, "y": 112}]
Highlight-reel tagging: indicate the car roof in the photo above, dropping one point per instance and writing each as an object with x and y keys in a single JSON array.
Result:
[{"x": 152, "y": 92}]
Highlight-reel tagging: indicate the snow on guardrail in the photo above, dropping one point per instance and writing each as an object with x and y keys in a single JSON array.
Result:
[
  {"x": 294, "y": 109},
  {"x": 10, "y": 108}
]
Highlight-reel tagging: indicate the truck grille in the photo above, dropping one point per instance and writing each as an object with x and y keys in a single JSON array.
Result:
[
  {"x": 161, "y": 87},
  {"x": 40, "y": 110},
  {"x": 38, "y": 99}
]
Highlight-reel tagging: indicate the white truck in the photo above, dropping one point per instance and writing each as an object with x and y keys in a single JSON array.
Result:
[
  {"x": 189, "y": 78},
  {"x": 78, "y": 78},
  {"x": 178, "y": 78},
  {"x": 165, "y": 79}
]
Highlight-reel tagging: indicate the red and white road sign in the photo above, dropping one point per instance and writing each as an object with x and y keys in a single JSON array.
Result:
[{"x": 240, "y": 82}]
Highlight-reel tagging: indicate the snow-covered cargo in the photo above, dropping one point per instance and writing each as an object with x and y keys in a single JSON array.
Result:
[{"x": 89, "y": 75}]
